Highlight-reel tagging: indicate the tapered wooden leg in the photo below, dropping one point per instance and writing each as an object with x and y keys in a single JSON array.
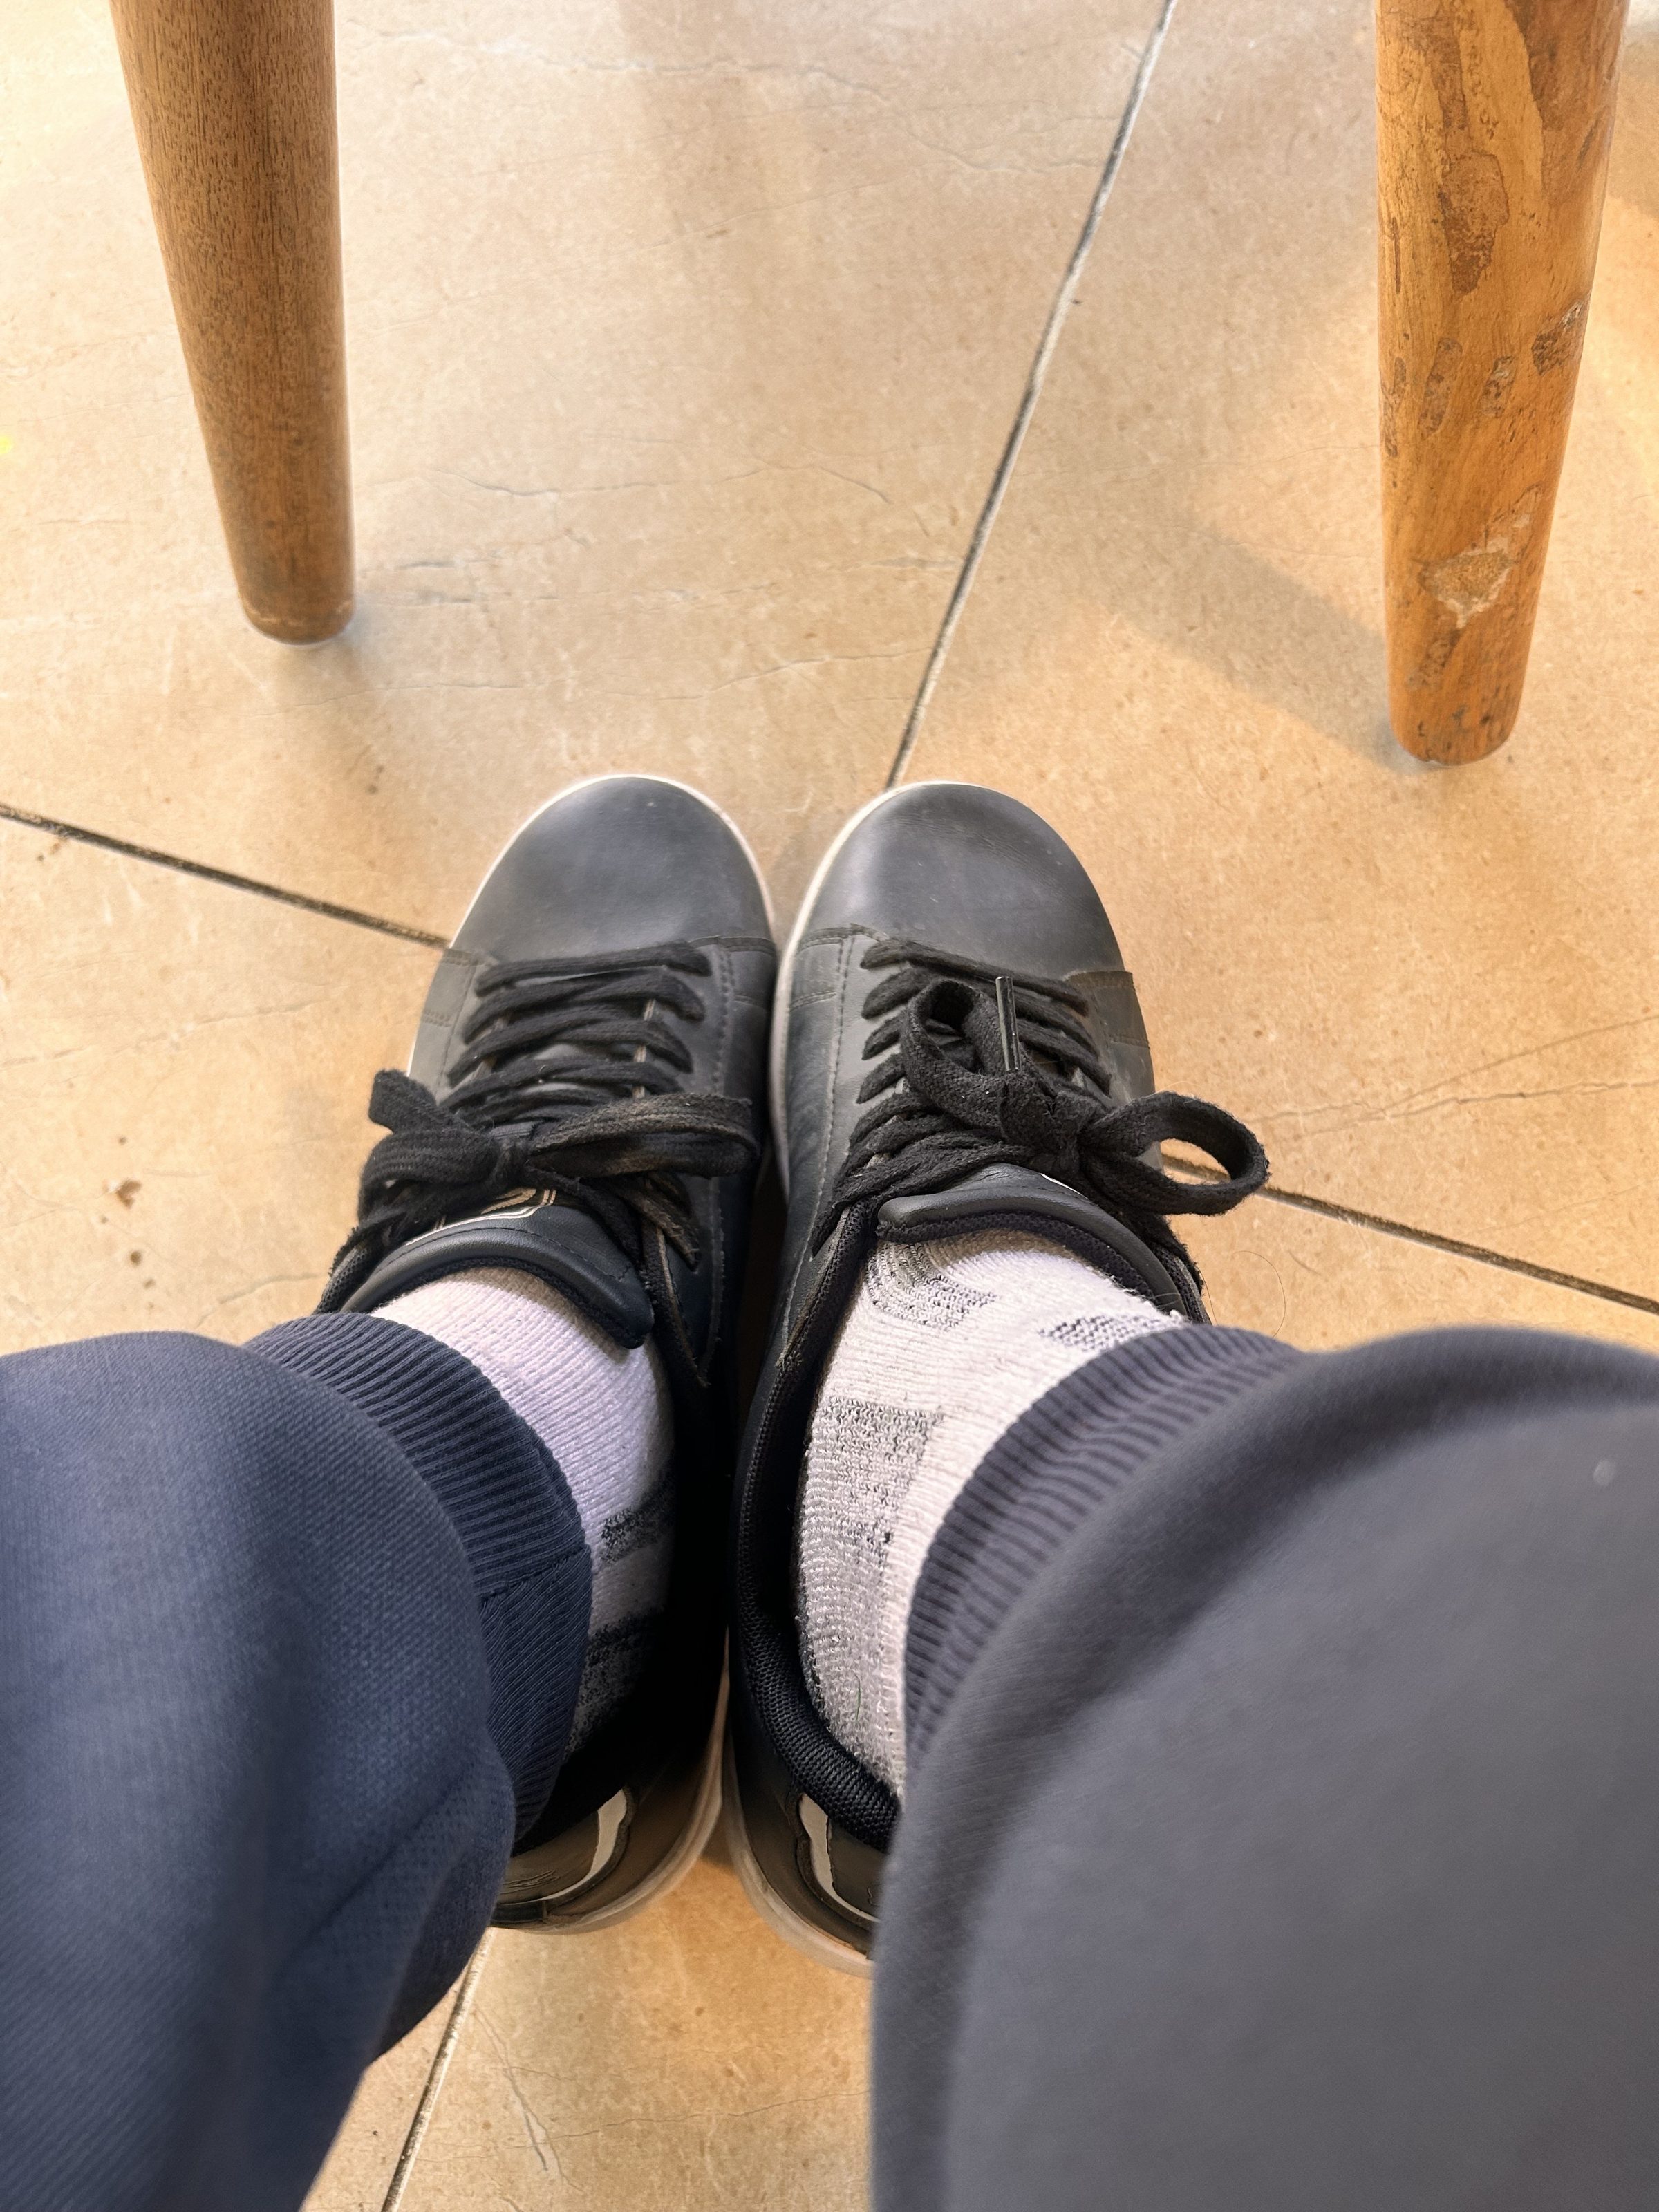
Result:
[
  {"x": 234, "y": 103},
  {"x": 1494, "y": 118}
]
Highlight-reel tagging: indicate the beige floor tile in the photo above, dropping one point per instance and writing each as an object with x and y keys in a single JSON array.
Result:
[
  {"x": 183, "y": 1070},
  {"x": 370, "y": 2143},
  {"x": 686, "y": 2060},
  {"x": 684, "y": 343},
  {"x": 1320, "y": 1284},
  {"x": 1435, "y": 991}
]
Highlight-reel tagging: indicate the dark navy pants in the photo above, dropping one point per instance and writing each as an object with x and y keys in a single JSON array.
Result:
[
  {"x": 263, "y": 1726},
  {"x": 1281, "y": 1831},
  {"x": 1284, "y": 1835}
]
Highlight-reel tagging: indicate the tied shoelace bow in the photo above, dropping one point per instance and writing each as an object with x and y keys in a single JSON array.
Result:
[
  {"x": 568, "y": 1087},
  {"x": 1009, "y": 1076}
]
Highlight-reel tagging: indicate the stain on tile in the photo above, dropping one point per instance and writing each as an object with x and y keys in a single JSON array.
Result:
[{"x": 184, "y": 1077}]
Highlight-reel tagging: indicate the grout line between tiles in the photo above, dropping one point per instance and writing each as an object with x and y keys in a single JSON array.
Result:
[
  {"x": 1329, "y": 1210},
  {"x": 434, "y": 2080},
  {"x": 105, "y": 843},
  {"x": 1060, "y": 308},
  {"x": 1460, "y": 1250},
  {"x": 1454, "y": 1246}
]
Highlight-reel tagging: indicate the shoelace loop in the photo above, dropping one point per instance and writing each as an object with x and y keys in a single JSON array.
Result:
[
  {"x": 947, "y": 1104},
  {"x": 568, "y": 1088}
]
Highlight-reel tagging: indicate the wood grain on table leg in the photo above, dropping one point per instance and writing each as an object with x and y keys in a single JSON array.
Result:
[
  {"x": 1494, "y": 118},
  {"x": 233, "y": 105}
]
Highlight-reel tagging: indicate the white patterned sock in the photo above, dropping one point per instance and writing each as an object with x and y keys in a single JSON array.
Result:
[
  {"x": 945, "y": 1345},
  {"x": 604, "y": 1414}
]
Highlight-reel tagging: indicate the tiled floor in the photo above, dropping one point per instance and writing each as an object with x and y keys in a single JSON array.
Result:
[{"x": 685, "y": 346}]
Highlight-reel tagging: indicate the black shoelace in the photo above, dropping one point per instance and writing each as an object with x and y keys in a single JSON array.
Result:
[
  {"x": 977, "y": 1070},
  {"x": 568, "y": 1087}
]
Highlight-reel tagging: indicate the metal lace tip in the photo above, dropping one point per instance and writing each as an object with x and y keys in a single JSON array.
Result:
[{"x": 1008, "y": 1023}]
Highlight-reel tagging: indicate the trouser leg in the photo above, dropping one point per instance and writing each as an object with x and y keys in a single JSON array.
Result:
[
  {"x": 254, "y": 1807},
  {"x": 1281, "y": 1833}
]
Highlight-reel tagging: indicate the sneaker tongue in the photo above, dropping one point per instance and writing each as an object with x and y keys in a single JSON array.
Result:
[
  {"x": 1020, "y": 1198},
  {"x": 565, "y": 1246}
]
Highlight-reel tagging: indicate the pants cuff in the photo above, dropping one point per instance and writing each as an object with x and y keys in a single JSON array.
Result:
[
  {"x": 510, "y": 1505},
  {"x": 1089, "y": 1435}
]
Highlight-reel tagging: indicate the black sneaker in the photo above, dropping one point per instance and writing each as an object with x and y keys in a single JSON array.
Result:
[
  {"x": 584, "y": 1102},
  {"x": 957, "y": 1047}
]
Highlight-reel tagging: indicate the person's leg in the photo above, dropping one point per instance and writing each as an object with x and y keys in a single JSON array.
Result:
[
  {"x": 1282, "y": 1792},
  {"x": 299, "y": 1642},
  {"x": 266, "y": 1716},
  {"x": 964, "y": 1103},
  {"x": 1239, "y": 1763}
]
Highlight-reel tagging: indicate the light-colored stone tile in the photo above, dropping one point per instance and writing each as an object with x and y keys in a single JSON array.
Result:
[
  {"x": 1435, "y": 991},
  {"x": 184, "y": 1071},
  {"x": 365, "y": 2151},
  {"x": 686, "y": 2060},
  {"x": 1320, "y": 1284},
  {"x": 684, "y": 343}
]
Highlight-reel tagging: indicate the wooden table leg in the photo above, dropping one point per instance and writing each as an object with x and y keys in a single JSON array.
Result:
[
  {"x": 1494, "y": 118},
  {"x": 233, "y": 104}
]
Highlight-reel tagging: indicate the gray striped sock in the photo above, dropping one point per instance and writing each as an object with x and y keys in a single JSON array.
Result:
[{"x": 944, "y": 1347}]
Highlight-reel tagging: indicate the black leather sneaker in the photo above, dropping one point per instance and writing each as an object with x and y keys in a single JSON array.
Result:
[
  {"x": 584, "y": 1101},
  {"x": 957, "y": 1047}
]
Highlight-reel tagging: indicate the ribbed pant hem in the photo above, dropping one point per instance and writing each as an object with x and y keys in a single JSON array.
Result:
[
  {"x": 510, "y": 1506},
  {"x": 1086, "y": 1437}
]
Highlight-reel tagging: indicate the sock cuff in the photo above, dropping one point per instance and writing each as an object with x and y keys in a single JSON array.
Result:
[
  {"x": 1086, "y": 1438},
  {"x": 508, "y": 1501}
]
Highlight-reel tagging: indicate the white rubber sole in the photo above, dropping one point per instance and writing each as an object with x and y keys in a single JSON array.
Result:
[
  {"x": 673, "y": 1869},
  {"x": 787, "y": 963},
  {"x": 801, "y": 1935}
]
